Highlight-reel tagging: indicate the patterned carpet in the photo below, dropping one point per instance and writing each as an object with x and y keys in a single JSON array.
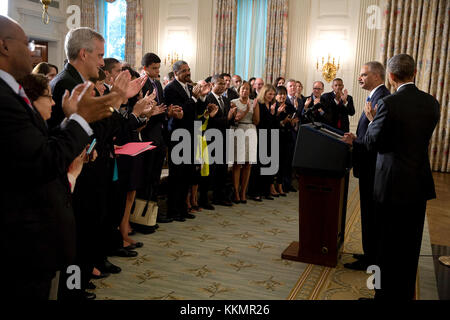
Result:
[{"x": 235, "y": 253}]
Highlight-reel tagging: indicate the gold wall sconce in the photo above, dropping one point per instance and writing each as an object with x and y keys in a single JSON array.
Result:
[
  {"x": 329, "y": 68},
  {"x": 45, "y": 16}
]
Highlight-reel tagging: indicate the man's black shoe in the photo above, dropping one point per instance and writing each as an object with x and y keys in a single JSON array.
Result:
[
  {"x": 108, "y": 267},
  {"x": 179, "y": 219},
  {"x": 189, "y": 216},
  {"x": 359, "y": 256},
  {"x": 365, "y": 299},
  {"x": 124, "y": 253},
  {"x": 224, "y": 203},
  {"x": 133, "y": 246},
  {"x": 357, "y": 265},
  {"x": 91, "y": 286},
  {"x": 164, "y": 219},
  {"x": 100, "y": 276},
  {"x": 292, "y": 189},
  {"x": 89, "y": 295},
  {"x": 207, "y": 206}
]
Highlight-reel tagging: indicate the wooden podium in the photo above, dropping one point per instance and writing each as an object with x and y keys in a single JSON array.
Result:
[{"x": 323, "y": 190}]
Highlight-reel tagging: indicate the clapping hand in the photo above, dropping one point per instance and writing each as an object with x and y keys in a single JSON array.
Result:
[
  {"x": 70, "y": 100},
  {"x": 307, "y": 103},
  {"x": 144, "y": 106},
  {"x": 232, "y": 112},
  {"x": 272, "y": 108},
  {"x": 370, "y": 113},
  {"x": 175, "y": 112},
  {"x": 92, "y": 108},
  {"x": 212, "y": 110},
  {"x": 345, "y": 96},
  {"x": 135, "y": 86},
  {"x": 281, "y": 109}
]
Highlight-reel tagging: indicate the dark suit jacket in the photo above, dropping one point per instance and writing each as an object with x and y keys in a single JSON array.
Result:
[
  {"x": 401, "y": 133},
  {"x": 339, "y": 112},
  {"x": 37, "y": 222},
  {"x": 176, "y": 95},
  {"x": 314, "y": 113},
  {"x": 231, "y": 94},
  {"x": 220, "y": 121},
  {"x": 363, "y": 159},
  {"x": 156, "y": 129},
  {"x": 68, "y": 79}
]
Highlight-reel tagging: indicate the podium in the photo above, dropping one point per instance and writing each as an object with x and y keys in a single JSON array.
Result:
[{"x": 322, "y": 162}]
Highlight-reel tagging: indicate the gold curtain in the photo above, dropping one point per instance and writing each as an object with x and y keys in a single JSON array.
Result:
[
  {"x": 89, "y": 14},
  {"x": 134, "y": 31},
  {"x": 130, "y": 35},
  {"x": 139, "y": 33},
  {"x": 421, "y": 29},
  {"x": 225, "y": 38},
  {"x": 276, "y": 40}
]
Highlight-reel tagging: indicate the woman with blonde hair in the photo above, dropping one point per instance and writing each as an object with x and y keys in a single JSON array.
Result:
[{"x": 261, "y": 184}]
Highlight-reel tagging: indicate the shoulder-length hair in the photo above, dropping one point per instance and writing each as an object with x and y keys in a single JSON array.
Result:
[{"x": 262, "y": 94}]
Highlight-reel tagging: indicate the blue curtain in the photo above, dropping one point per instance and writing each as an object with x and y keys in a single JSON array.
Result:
[{"x": 251, "y": 38}]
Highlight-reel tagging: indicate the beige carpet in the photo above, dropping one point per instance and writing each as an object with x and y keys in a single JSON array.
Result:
[{"x": 235, "y": 253}]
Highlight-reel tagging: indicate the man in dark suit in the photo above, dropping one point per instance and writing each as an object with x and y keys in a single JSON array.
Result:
[
  {"x": 221, "y": 121},
  {"x": 294, "y": 108},
  {"x": 37, "y": 223},
  {"x": 372, "y": 78},
  {"x": 180, "y": 93},
  {"x": 155, "y": 131},
  {"x": 229, "y": 92},
  {"x": 314, "y": 109},
  {"x": 96, "y": 224},
  {"x": 340, "y": 104},
  {"x": 400, "y": 133}
]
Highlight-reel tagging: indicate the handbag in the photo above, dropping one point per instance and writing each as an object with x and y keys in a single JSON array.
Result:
[{"x": 144, "y": 213}]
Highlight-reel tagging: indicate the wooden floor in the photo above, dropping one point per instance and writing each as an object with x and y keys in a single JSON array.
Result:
[{"x": 438, "y": 211}]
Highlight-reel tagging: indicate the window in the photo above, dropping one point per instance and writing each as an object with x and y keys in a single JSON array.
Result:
[
  {"x": 4, "y": 7},
  {"x": 251, "y": 38},
  {"x": 115, "y": 29}
]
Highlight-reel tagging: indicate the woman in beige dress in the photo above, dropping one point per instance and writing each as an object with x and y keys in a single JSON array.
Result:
[{"x": 245, "y": 154}]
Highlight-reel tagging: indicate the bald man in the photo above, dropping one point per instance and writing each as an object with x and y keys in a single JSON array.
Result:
[
  {"x": 257, "y": 86},
  {"x": 37, "y": 223}
]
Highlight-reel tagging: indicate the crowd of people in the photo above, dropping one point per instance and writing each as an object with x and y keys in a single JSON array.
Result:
[{"x": 66, "y": 206}]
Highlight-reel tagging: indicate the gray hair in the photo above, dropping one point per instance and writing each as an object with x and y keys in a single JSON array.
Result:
[
  {"x": 291, "y": 80},
  {"x": 323, "y": 85},
  {"x": 80, "y": 38},
  {"x": 402, "y": 66},
  {"x": 216, "y": 78},
  {"x": 377, "y": 68},
  {"x": 177, "y": 65}
]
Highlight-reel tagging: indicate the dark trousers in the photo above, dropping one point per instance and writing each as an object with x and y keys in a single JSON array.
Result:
[
  {"x": 154, "y": 161},
  {"x": 368, "y": 226},
  {"x": 180, "y": 176},
  {"x": 219, "y": 179},
  {"x": 27, "y": 285},
  {"x": 400, "y": 236}
]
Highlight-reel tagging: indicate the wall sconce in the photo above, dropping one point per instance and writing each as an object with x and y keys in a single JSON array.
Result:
[
  {"x": 171, "y": 58},
  {"x": 45, "y": 16},
  {"x": 329, "y": 69}
]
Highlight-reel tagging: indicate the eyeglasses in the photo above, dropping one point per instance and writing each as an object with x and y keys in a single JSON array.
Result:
[
  {"x": 47, "y": 96},
  {"x": 317, "y": 88}
]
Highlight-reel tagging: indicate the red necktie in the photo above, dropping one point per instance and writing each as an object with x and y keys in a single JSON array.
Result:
[{"x": 23, "y": 95}]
